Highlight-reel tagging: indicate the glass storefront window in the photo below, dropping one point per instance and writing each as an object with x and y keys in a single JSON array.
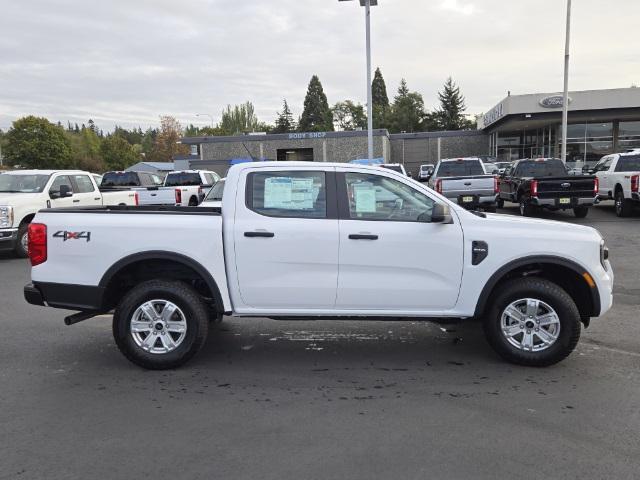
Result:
[
  {"x": 628, "y": 136},
  {"x": 576, "y": 131},
  {"x": 600, "y": 130}
]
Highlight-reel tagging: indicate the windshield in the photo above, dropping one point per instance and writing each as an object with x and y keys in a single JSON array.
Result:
[
  {"x": 460, "y": 168},
  {"x": 120, "y": 179},
  {"x": 215, "y": 194},
  {"x": 547, "y": 168},
  {"x": 503, "y": 164},
  {"x": 182, "y": 179},
  {"x": 10, "y": 183},
  {"x": 628, "y": 164}
]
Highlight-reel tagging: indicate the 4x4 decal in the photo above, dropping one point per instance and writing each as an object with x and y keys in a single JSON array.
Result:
[{"x": 65, "y": 235}]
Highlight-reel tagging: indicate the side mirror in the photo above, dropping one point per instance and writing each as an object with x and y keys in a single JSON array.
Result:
[
  {"x": 495, "y": 172},
  {"x": 65, "y": 191},
  {"x": 441, "y": 214}
]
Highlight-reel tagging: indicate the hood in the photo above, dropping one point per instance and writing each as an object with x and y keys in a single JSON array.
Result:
[
  {"x": 18, "y": 199},
  {"x": 537, "y": 225}
]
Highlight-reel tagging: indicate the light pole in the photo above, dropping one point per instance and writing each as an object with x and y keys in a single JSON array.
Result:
[
  {"x": 206, "y": 115},
  {"x": 368, "y": 4},
  {"x": 565, "y": 100}
]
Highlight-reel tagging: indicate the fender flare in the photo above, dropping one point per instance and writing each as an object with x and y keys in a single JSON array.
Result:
[
  {"x": 164, "y": 255},
  {"x": 533, "y": 259}
]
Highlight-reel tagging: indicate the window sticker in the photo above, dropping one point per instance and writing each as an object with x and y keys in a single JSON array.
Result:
[
  {"x": 364, "y": 195},
  {"x": 290, "y": 193}
]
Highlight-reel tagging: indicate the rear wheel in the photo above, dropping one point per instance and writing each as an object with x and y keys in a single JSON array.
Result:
[
  {"x": 193, "y": 202},
  {"x": 22, "y": 244},
  {"x": 581, "y": 212},
  {"x": 160, "y": 324},
  {"x": 534, "y": 322},
  {"x": 623, "y": 206},
  {"x": 500, "y": 203}
]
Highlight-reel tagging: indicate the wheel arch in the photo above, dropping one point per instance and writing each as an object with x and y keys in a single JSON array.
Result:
[
  {"x": 27, "y": 218},
  {"x": 565, "y": 273},
  {"x": 154, "y": 262}
]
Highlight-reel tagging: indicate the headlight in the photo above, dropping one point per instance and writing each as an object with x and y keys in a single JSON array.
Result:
[
  {"x": 604, "y": 254},
  {"x": 6, "y": 217}
]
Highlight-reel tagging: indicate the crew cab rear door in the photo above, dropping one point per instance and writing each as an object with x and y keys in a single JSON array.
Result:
[
  {"x": 391, "y": 258},
  {"x": 286, "y": 238}
]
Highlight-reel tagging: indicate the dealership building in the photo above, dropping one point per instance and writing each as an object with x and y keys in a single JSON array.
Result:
[{"x": 520, "y": 126}]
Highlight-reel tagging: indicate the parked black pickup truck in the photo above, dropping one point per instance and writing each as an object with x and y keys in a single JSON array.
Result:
[{"x": 544, "y": 183}]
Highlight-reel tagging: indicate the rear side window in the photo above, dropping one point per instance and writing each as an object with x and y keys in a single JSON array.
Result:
[
  {"x": 628, "y": 163},
  {"x": 120, "y": 179},
  {"x": 460, "y": 168},
  {"x": 182, "y": 179},
  {"x": 83, "y": 182},
  {"x": 288, "y": 194}
]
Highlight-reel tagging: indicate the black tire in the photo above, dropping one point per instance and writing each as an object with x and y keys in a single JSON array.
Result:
[
  {"x": 623, "y": 206},
  {"x": 183, "y": 296},
  {"x": 193, "y": 202},
  {"x": 525, "y": 208},
  {"x": 19, "y": 249},
  {"x": 551, "y": 294},
  {"x": 500, "y": 203},
  {"x": 581, "y": 212}
]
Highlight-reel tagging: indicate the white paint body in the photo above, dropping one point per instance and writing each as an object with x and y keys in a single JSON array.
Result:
[
  {"x": 609, "y": 180},
  {"x": 311, "y": 267}
]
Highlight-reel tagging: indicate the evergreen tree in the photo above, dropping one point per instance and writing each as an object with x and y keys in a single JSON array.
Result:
[
  {"x": 407, "y": 112},
  {"x": 450, "y": 115},
  {"x": 316, "y": 116},
  {"x": 380, "y": 101},
  {"x": 285, "y": 122},
  {"x": 239, "y": 119},
  {"x": 349, "y": 116}
]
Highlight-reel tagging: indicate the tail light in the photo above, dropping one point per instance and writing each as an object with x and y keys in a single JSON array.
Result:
[
  {"x": 136, "y": 199},
  {"x": 37, "y": 243},
  {"x": 596, "y": 187},
  {"x": 635, "y": 180},
  {"x": 178, "y": 195},
  {"x": 496, "y": 185},
  {"x": 534, "y": 188},
  {"x": 200, "y": 191},
  {"x": 439, "y": 186}
]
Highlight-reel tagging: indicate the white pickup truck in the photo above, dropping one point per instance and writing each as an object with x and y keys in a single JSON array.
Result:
[
  {"x": 191, "y": 186},
  {"x": 319, "y": 240},
  {"x": 619, "y": 178},
  {"x": 24, "y": 192}
]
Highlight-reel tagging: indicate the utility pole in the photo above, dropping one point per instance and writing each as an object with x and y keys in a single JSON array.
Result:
[
  {"x": 369, "y": 93},
  {"x": 565, "y": 101}
]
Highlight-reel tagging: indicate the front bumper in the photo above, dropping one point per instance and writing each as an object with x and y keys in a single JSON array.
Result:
[
  {"x": 8, "y": 238},
  {"x": 555, "y": 202}
]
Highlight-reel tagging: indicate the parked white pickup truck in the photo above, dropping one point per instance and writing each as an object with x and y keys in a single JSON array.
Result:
[
  {"x": 619, "y": 179},
  {"x": 319, "y": 240},
  {"x": 24, "y": 192},
  {"x": 191, "y": 186}
]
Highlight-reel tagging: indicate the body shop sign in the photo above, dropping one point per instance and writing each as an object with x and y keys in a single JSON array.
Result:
[
  {"x": 300, "y": 136},
  {"x": 554, "y": 101}
]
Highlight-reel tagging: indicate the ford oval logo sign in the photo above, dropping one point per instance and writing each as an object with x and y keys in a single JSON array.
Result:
[
  {"x": 565, "y": 185},
  {"x": 554, "y": 101}
]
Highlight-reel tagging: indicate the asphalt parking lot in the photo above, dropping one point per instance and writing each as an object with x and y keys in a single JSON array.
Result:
[{"x": 269, "y": 399}]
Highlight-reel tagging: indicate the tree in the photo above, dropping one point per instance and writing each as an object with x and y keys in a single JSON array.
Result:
[
  {"x": 380, "y": 101},
  {"x": 34, "y": 142},
  {"x": 316, "y": 116},
  {"x": 407, "y": 112},
  {"x": 85, "y": 150},
  {"x": 239, "y": 119},
  {"x": 285, "y": 122},
  {"x": 117, "y": 153},
  {"x": 166, "y": 145},
  {"x": 349, "y": 116},
  {"x": 450, "y": 115}
]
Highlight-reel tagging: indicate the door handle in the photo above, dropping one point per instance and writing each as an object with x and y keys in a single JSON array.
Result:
[
  {"x": 259, "y": 234},
  {"x": 76, "y": 201},
  {"x": 359, "y": 236},
  {"x": 97, "y": 198}
]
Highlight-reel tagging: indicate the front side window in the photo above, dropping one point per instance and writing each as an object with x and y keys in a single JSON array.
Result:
[
  {"x": 59, "y": 182},
  {"x": 83, "y": 182},
  {"x": 374, "y": 197},
  {"x": 288, "y": 194}
]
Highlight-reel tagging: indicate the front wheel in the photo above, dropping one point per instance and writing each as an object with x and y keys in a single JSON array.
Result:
[
  {"x": 581, "y": 212},
  {"x": 533, "y": 322},
  {"x": 160, "y": 324},
  {"x": 22, "y": 244}
]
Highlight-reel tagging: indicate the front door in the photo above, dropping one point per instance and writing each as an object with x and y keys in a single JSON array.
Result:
[
  {"x": 286, "y": 239},
  {"x": 54, "y": 192},
  {"x": 391, "y": 258}
]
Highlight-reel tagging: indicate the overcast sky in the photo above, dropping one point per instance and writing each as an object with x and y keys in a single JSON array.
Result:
[{"x": 128, "y": 61}]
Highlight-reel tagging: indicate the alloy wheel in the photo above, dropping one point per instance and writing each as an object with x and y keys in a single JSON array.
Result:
[
  {"x": 530, "y": 324},
  {"x": 158, "y": 326}
]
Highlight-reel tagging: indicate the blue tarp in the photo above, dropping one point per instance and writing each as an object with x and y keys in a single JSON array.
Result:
[
  {"x": 236, "y": 161},
  {"x": 366, "y": 161}
]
